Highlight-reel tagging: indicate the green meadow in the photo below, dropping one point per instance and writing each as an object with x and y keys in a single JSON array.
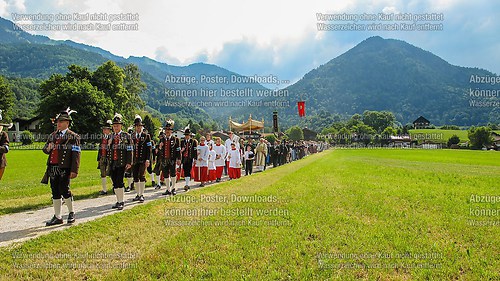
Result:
[
  {"x": 20, "y": 187},
  {"x": 438, "y": 135},
  {"x": 338, "y": 215}
]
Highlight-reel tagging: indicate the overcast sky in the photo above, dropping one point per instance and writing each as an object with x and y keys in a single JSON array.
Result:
[{"x": 272, "y": 37}]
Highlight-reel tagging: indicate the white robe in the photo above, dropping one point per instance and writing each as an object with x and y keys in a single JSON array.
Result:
[
  {"x": 229, "y": 141},
  {"x": 210, "y": 142},
  {"x": 261, "y": 153},
  {"x": 234, "y": 158},
  {"x": 220, "y": 150},
  {"x": 203, "y": 154},
  {"x": 211, "y": 159}
]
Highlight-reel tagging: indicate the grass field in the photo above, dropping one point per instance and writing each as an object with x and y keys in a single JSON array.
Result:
[
  {"x": 338, "y": 215},
  {"x": 438, "y": 135},
  {"x": 20, "y": 187}
]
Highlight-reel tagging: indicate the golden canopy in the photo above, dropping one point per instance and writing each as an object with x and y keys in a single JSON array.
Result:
[{"x": 250, "y": 125}]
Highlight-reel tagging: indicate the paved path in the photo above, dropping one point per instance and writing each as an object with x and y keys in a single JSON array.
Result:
[{"x": 19, "y": 227}]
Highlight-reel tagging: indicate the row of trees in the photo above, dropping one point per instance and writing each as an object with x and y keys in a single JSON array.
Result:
[
  {"x": 371, "y": 126},
  {"x": 479, "y": 137},
  {"x": 6, "y": 99},
  {"x": 96, "y": 96},
  {"x": 376, "y": 128}
]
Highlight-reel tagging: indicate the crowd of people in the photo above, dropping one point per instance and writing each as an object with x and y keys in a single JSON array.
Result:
[{"x": 132, "y": 154}]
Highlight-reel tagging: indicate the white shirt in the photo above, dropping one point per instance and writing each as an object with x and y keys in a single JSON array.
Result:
[
  {"x": 229, "y": 141},
  {"x": 208, "y": 142},
  {"x": 247, "y": 155},
  {"x": 234, "y": 158},
  {"x": 211, "y": 159},
  {"x": 220, "y": 150},
  {"x": 203, "y": 154}
]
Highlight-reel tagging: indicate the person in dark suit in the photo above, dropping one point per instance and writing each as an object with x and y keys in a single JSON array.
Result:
[
  {"x": 4, "y": 145},
  {"x": 102, "y": 155},
  {"x": 169, "y": 155},
  {"x": 275, "y": 154},
  {"x": 283, "y": 151},
  {"x": 120, "y": 154},
  {"x": 141, "y": 157},
  {"x": 188, "y": 154},
  {"x": 63, "y": 148}
]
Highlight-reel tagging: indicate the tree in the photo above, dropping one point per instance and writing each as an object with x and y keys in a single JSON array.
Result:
[
  {"x": 295, "y": 133},
  {"x": 386, "y": 135},
  {"x": 109, "y": 78},
  {"x": 453, "y": 140},
  {"x": 91, "y": 105},
  {"x": 363, "y": 132},
  {"x": 26, "y": 137},
  {"x": 214, "y": 126},
  {"x": 479, "y": 137},
  {"x": 406, "y": 129},
  {"x": 378, "y": 120},
  {"x": 494, "y": 126},
  {"x": 6, "y": 100},
  {"x": 134, "y": 85},
  {"x": 26, "y": 96},
  {"x": 389, "y": 131},
  {"x": 94, "y": 95},
  {"x": 271, "y": 139},
  {"x": 78, "y": 72},
  {"x": 152, "y": 125},
  {"x": 344, "y": 136},
  {"x": 193, "y": 126},
  {"x": 355, "y": 120}
]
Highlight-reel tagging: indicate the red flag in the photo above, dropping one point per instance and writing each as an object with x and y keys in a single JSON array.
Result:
[{"x": 302, "y": 108}]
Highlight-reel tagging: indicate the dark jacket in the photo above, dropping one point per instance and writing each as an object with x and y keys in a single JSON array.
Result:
[
  {"x": 122, "y": 148},
  {"x": 68, "y": 150},
  {"x": 103, "y": 148},
  {"x": 190, "y": 153},
  {"x": 175, "y": 148},
  {"x": 4, "y": 148},
  {"x": 142, "y": 147}
]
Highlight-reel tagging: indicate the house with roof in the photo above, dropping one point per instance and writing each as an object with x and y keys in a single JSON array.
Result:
[{"x": 421, "y": 123}]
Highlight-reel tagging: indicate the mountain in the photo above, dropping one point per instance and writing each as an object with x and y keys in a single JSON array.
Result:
[
  {"x": 26, "y": 55},
  {"x": 377, "y": 74},
  {"x": 8, "y": 34},
  {"x": 388, "y": 74}
]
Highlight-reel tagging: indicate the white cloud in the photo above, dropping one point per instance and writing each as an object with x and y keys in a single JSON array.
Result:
[
  {"x": 163, "y": 55},
  {"x": 9, "y": 6},
  {"x": 264, "y": 36},
  {"x": 3, "y": 9},
  {"x": 390, "y": 10}
]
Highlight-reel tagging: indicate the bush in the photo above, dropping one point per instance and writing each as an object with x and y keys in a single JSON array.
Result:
[
  {"x": 453, "y": 140},
  {"x": 450, "y": 127},
  {"x": 26, "y": 137},
  {"x": 295, "y": 133},
  {"x": 271, "y": 139},
  {"x": 480, "y": 137}
]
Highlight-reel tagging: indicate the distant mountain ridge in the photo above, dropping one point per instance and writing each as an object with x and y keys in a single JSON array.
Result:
[
  {"x": 26, "y": 55},
  {"x": 376, "y": 74},
  {"x": 389, "y": 74}
]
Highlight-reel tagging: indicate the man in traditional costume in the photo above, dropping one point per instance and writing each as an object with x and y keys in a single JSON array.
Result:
[
  {"x": 168, "y": 157},
  {"x": 4, "y": 145},
  {"x": 121, "y": 159},
  {"x": 188, "y": 154},
  {"x": 63, "y": 148},
  {"x": 141, "y": 157},
  {"x": 103, "y": 157}
]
